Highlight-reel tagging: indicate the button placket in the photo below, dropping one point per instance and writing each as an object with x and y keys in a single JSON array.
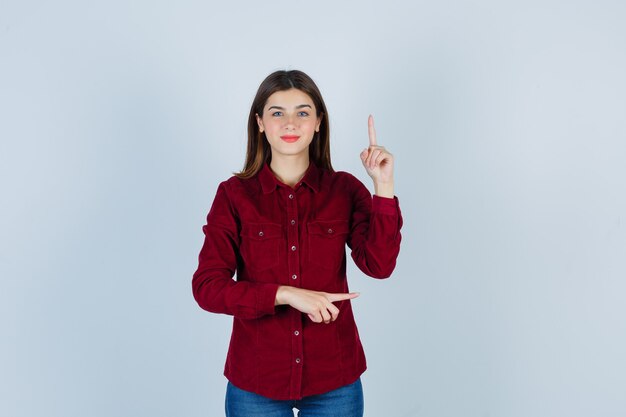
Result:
[{"x": 293, "y": 262}]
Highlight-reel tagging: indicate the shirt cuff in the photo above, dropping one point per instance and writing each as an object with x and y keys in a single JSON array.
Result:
[
  {"x": 266, "y": 299},
  {"x": 385, "y": 205}
]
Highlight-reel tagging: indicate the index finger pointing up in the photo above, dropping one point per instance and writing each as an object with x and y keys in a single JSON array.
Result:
[{"x": 371, "y": 131}]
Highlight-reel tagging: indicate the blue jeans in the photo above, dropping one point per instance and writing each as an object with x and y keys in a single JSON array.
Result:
[{"x": 346, "y": 401}]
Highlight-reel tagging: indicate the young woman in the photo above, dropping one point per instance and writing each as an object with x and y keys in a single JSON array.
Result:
[{"x": 282, "y": 225}]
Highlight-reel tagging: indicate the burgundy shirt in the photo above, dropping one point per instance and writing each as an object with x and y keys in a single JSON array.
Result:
[{"x": 271, "y": 234}]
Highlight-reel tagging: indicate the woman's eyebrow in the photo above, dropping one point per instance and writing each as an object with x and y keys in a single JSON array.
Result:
[{"x": 300, "y": 106}]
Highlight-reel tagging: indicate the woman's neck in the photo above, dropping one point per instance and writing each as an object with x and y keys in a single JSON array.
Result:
[{"x": 289, "y": 170}]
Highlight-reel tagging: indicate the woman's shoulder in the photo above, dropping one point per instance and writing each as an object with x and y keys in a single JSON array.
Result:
[
  {"x": 344, "y": 176},
  {"x": 343, "y": 179},
  {"x": 235, "y": 185}
]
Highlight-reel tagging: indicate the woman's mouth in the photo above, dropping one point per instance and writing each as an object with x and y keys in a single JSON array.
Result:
[{"x": 290, "y": 138}]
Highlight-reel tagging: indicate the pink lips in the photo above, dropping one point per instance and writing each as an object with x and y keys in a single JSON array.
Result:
[{"x": 290, "y": 138}]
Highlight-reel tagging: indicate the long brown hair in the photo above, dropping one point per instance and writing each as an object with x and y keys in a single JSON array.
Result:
[{"x": 259, "y": 151}]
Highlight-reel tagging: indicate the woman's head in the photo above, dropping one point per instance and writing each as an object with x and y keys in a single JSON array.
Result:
[{"x": 284, "y": 83}]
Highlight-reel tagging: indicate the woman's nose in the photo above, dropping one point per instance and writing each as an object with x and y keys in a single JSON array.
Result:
[{"x": 290, "y": 121}]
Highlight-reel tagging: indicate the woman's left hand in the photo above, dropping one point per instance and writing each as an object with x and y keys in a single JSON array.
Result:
[{"x": 378, "y": 163}]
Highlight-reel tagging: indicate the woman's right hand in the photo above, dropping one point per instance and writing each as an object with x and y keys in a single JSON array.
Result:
[{"x": 317, "y": 305}]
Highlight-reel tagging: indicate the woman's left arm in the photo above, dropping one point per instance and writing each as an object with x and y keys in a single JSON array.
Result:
[{"x": 376, "y": 221}]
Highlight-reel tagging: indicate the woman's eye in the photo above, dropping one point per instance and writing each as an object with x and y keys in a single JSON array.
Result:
[
  {"x": 303, "y": 114},
  {"x": 277, "y": 113}
]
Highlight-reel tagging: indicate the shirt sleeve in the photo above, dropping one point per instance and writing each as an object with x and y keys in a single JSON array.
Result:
[
  {"x": 375, "y": 232},
  {"x": 213, "y": 286}
]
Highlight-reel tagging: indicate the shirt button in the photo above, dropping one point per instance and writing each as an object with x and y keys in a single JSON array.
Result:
[
  {"x": 293, "y": 222},
  {"x": 260, "y": 233},
  {"x": 293, "y": 248},
  {"x": 291, "y": 196},
  {"x": 297, "y": 360},
  {"x": 294, "y": 276},
  {"x": 330, "y": 230},
  {"x": 296, "y": 333}
]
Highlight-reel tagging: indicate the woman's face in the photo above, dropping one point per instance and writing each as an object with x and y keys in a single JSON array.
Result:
[{"x": 289, "y": 122}]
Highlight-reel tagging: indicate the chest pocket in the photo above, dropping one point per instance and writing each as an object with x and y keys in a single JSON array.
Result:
[
  {"x": 260, "y": 245},
  {"x": 327, "y": 243}
]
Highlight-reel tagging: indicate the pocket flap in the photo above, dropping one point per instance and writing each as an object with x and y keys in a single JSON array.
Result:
[
  {"x": 261, "y": 231},
  {"x": 328, "y": 228}
]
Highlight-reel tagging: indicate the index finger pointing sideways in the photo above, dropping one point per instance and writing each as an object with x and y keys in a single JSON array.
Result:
[
  {"x": 340, "y": 297},
  {"x": 371, "y": 131}
]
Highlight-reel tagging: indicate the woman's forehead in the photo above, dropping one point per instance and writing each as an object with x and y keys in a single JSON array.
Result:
[{"x": 289, "y": 98}]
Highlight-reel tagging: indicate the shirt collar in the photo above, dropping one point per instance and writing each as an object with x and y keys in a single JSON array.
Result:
[{"x": 269, "y": 182}]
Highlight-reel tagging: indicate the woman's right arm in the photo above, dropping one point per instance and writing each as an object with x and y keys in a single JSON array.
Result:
[
  {"x": 213, "y": 286},
  {"x": 317, "y": 305}
]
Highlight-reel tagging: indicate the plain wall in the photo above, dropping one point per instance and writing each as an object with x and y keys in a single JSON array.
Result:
[{"x": 507, "y": 121}]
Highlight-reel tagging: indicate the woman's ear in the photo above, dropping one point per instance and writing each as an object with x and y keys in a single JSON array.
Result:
[
  {"x": 259, "y": 122},
  {"x": 319, "y": 122}
]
